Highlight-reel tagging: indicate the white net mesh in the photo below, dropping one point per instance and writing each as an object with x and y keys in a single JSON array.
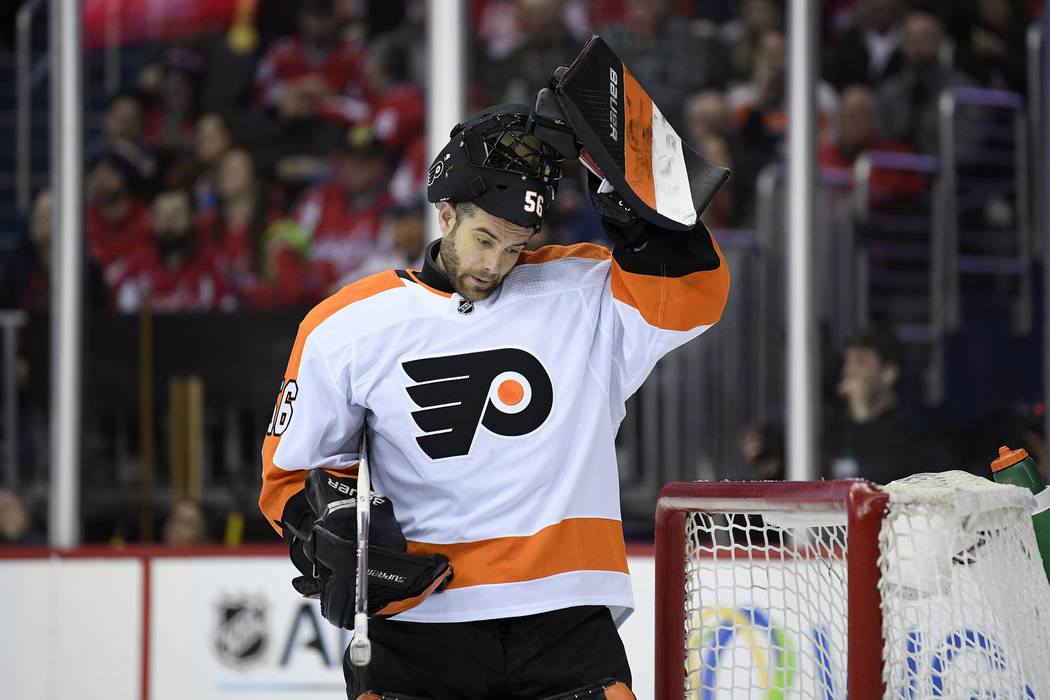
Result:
[
  {"x": 964, "y": 599},
  {"x": 766, "y": 601}
]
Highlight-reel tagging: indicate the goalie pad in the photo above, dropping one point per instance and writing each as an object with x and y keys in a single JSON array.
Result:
[{"x": 325, "y": 551}]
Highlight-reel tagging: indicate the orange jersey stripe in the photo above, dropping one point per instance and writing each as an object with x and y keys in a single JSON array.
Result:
[
  {"x": 638, "y": 139},
  {"x": 279, "y": 484},
  {"x": 675, "y": 303},
  {"x": 571, "y": 545},
  {"x": 550, "y": 253}
]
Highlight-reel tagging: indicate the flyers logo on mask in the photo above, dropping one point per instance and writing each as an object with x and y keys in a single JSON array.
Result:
[{"x": 506, "y": 391}]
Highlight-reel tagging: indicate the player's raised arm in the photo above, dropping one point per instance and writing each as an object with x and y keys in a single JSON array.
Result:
[{"x": 677, "y": 280}]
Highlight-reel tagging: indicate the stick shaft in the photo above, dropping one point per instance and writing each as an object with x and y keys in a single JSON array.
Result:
[{"x": 360, "y": 647}]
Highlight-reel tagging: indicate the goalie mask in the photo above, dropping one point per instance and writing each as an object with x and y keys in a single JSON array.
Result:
[{"x": 495, "y": 162}]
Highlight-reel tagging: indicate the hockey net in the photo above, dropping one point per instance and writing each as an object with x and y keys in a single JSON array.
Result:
[{"x": 930, "y": 587}]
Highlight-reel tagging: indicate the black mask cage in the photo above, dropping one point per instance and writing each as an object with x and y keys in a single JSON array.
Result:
[
  {"x": 497, "y": 163},
  {"x": 499, "y": 142}
]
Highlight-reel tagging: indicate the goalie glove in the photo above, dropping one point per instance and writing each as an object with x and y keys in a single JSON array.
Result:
[{"x": 327, "y": 554}]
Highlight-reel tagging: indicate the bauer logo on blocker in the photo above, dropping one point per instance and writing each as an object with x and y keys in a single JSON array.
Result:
[{"x": 506, "y": 391}]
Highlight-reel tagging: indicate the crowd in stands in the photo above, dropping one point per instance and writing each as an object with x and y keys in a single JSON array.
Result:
[
  {"x": 261, "y": 175},
  {"x": 228, "y": 178}
]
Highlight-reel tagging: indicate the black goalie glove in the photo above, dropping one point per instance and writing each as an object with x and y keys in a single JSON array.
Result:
[
  {"x": 621, "y": 224},
  {"x": 324, "y": 549}
]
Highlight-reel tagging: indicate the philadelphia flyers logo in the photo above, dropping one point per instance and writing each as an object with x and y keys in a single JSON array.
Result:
[{"x": 506, "y": 391}]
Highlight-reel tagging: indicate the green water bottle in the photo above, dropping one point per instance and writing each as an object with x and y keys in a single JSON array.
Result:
[{"x": 1017, "y": 468}]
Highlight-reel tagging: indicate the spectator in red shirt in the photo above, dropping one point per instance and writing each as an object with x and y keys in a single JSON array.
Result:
[
  {"x": 177, "y": 271},
  {"x": 342, "y": 217},
  {"x": 300, "y": 79},
  {"x": 858, "y": 130},
  {"x": 297, "y": 73},
  {"x": 260, "y": 261},
  {"x": 402, "y": 241},
  {"x": 392, "y": 104},
  {"x": 117, "y": 219}
]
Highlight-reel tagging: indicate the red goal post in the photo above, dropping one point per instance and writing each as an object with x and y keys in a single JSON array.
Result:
[
  {"x": 860, "y": 504},
  {"x": 926, "y": 588}
]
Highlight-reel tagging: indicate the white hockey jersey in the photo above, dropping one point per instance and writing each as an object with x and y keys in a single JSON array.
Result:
[{"x": 491, "y": 424}]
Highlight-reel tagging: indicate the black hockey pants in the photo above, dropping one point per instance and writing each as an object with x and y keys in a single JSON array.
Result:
[{"x": 514, "y": 658}]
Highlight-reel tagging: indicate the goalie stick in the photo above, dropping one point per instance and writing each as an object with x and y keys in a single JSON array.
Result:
[{"x": 360, "y": 647}]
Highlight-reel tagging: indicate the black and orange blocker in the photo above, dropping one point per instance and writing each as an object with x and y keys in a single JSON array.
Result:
[{"x": 628, "y": 141}]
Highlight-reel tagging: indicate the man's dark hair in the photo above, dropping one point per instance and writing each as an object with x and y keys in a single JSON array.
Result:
[{"x": 882, "y": 341}]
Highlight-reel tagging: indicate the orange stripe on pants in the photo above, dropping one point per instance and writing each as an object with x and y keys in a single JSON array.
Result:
[
  {"x": 572, "y": 545},
  {"x": 638, "y": 139}
]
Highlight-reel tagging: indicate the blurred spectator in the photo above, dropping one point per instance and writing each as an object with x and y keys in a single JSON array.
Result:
[
  {"x": 123, "y": 128},
  {"x": 176, "y": 271},
  {"x": 660, "y": 50},
  {"x": 170, "y": 123},
  {"x": 26, "y": 281},
  {"x": 873, "y": 439},
  {"x": 392, "y": 104},
  {"x": 214, "y": 137},
  {"x": 402, "y": 241},
  {"x": 298, "y": 72},
  {"x": 545, "y": 43},
  {"x": 260, "y": 261},
  {"x": 908, "y": 100},
  {"x": 991, "y": 46},
  {"x": 404, "y": 40},
  {"x": 342, "y": 217},
  {"x": 756, "y": 18},
  {"x": 758, "y": 109},
  {"x": 16, "y": 528},
  {"x": 869, "y": 50},
  {"x": 117, "y": 218},
  {"x": 186, "y": 524},
  {"x": 857, "y": 131},
  {"x": 499, "y": 28},
  {"x": 762, "y": 446},
  {"x": 706, "y": 113},
  {"x": 725, "y": 210}
]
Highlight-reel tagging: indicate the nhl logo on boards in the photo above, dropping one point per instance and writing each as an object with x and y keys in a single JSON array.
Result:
[
  {"x": 241, "y": 635},
  {"x": 466, "y": 306}
]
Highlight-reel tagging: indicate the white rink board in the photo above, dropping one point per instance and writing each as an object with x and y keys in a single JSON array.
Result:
[
  {"x": 70, "y": 628},
  {"x": 300, "y": 654},
  {"x": 242, "y": 629},
  {"x": 220, "y": 627}
]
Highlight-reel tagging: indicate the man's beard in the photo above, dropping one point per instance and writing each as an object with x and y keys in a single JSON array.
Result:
[{"x": 461, "y": 280}]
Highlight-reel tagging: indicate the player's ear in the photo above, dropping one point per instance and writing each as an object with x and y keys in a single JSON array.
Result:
[{"x": 446, "y": 217}]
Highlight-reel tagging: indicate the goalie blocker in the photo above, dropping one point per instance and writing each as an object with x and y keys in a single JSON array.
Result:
[{"x": 322, "y": 542}]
